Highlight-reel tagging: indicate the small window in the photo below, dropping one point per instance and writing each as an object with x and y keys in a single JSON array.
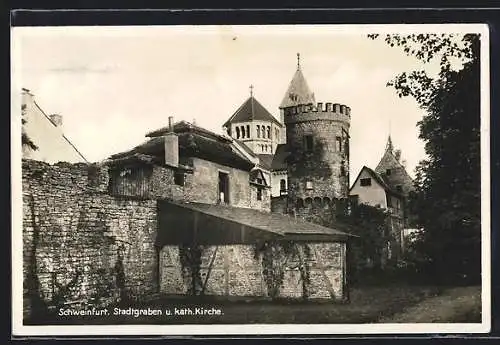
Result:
[
  {"x": 338, "y": 144},
  {"x": 258, "y": 131},
  {"x": 248, "y": 131},
  {"x": 366, "y": 182},
  {"x": 243, "y": 132},
  {"x": 309, "y": 185},
  {"x": 308, "y": 143},
  {"x": 179, "y": 178},
  {"x": 259, "y": 194},
  {"x": 399, "y": 188},
  {"x": 282, "y": 184},
  {"x": 387, "y": 171},
  {"x": 237, "y": 132},
  {"x": 268, "y": 132},
  {"x": 259, "y": 180}
]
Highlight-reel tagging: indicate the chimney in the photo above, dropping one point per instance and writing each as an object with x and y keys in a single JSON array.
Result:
[
  {"x": 397, "y": 154},
  {"x": 171, "y": 145},
  {"x": 56, "y": 119}
]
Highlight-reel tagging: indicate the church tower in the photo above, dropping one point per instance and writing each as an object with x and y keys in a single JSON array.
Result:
[
  {"x": 253, "y": 125},
  {"x": 298, "y": 92}
]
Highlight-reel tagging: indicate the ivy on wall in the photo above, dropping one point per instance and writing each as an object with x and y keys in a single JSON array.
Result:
[
  {"x": 277, "y": 257},
  {"x": 190, "y": 260}
]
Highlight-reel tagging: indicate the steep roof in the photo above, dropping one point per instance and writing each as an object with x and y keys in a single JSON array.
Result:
[
  {"x": 266, "y": 160},
  {"x": 380, "y": 180},
  {"x": 398, "y": 174},
  {"x": 279, "y": 159},
  {"x": 298, "y": 91},
  {"x": 251, "y": 110}
]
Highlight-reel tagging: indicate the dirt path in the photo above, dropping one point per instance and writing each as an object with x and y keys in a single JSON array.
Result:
[{"x": 461, "y": 304}]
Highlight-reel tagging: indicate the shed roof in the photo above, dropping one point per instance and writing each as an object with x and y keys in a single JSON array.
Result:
[{"x": 223, "y": 224}]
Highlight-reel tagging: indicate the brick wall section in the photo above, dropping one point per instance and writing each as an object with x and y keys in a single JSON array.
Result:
[
  {"x": 76, "y": 236},
  {"x": 236, "y": 272}
]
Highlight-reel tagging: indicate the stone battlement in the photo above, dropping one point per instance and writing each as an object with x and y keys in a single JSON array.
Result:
[{"x": 320, "y": 107}]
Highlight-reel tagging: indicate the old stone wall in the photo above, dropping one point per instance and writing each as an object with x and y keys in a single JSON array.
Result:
[
  {"x": 81, "y": 245},
  {"x": 233, "y": 270},
  {"x": 321, "y": 170}
]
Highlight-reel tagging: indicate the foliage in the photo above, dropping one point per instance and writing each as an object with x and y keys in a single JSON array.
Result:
[
  {"x": 25, "y": 139},
  {"x": 190, "y": 260},
  {"x": 370, "y": 224},
  {"x": 447, "y": 198},
  {"x": 276, "y": 256}
]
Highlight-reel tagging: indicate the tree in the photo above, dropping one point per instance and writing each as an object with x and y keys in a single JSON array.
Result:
[
  {"x": 447, "y": 202},
  {"x": 25, "y": 139}
]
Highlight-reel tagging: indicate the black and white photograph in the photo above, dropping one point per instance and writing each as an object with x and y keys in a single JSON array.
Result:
[{"x": 250, "y": 179}]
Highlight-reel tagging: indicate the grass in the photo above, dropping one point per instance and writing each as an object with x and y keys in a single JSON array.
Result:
[{"x": 367, "y": 305}]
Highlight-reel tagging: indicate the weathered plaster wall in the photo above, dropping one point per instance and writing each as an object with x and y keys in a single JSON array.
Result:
[{"x": 233, "y": 270}]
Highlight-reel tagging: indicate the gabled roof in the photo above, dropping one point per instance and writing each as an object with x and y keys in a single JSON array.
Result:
[
  {"x": 298, "y": 91},
  {"x": 378, "y": 178},
  {"x": 251, "y": 110},
  {"x": 279, "y": 159}
]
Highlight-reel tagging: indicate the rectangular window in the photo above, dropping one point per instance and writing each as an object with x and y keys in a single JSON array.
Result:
[
  {"x": 259, "y": 194},
  {"x": 309, "y": 185},
  {"x": 366, "y": 182},
  {"x": 223, "y": 188},
  {"x": 179, "y": 178},
  {"x": 387, "y": 171},
  {"x": 338, "y": 144},
  {"x": 308, "y": 143},
  {"x": 282, "y": 184},
  {"x": 399, "y": 188}
]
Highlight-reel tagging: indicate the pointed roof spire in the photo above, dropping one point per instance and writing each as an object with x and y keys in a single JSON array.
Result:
[
  {"x": 298, "y": 91},
  {"x": 251, "y": 91},
  {"x": 389, "y": 146}
]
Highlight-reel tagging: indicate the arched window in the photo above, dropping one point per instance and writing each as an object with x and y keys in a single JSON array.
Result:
[
  {"x": 308, "y": 202},
  {"x": 317, "y": 202},
  {"x": 258, "y": 131},
  {"x": 269, "y": 132},
  {"x": 248, "y": 131},
  {"x": 237, "y": 132},
  {"x": 282, "y": 184},
  {"x": 243, "y": 131},
  {"x": 300, "y": 203}
]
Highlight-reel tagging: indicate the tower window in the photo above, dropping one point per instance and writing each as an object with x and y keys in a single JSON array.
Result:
[
  {"x": 387, "y": 171},
  {"x": 268, "y": 132},
  {"x": 308, "y": 143},
  {"x": 282, "y": 184},
  {"x": 309, "y": 185},
  {"x": 237, "y": 132},
  {"x": 338, "y": 144},
  {"x": 248, "y": 131},
  {"x": 223, "y": 188},
  {"x": 258, "y": 131},
  {"x": 399, "y": 188},
  {"x": 366, "y": 182},
  {"x": 243, "y": 131}
]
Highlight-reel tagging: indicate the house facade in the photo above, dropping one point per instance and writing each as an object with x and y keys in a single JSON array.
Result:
[{"x": 46, "y": 132}]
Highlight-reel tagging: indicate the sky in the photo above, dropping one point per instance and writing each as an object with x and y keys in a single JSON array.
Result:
[{"x": 114, "y": 84}]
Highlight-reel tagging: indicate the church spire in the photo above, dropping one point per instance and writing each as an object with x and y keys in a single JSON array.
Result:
[
  {"x": 389, "y": 146},
  {"x": 298, "y": 91}
]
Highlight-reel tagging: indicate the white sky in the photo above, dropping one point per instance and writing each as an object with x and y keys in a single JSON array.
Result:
[{"x": 114, "y": 84}]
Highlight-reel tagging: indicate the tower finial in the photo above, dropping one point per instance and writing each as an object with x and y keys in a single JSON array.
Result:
[
  {"x": 389, "y": 146},
  {"x": 251, "y": 90},
  {"x": 298, "y": 61}
]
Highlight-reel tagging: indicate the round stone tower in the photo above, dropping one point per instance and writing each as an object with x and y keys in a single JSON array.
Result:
[{"x": 318, "y": 160}]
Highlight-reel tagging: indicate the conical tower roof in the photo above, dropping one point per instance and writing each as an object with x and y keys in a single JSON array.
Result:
[{"x": 298, "y": 91}]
